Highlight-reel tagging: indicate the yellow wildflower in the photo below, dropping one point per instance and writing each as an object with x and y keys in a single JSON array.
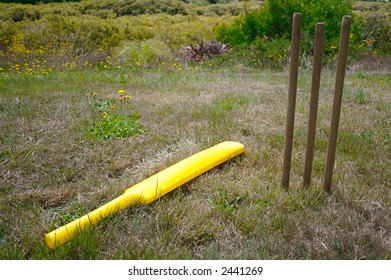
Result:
[
  {"x": 94, "y": 94},
  {"x": 113, "y": 107},
  {"x": 128, "y": 97},
  {"x": 121, "y": 92},
  {"x": 104, "y": 115}
]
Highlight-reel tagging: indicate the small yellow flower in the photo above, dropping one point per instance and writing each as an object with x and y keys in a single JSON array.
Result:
[
  {"x": 94, "y": 94},
  {"x": 121, "y": 92},
  {"x": 104, "y": 115},
  {"x": 128, "y": 97},
  {"x": 113, "y": 107},
  {"x": 121, "y": 99}
]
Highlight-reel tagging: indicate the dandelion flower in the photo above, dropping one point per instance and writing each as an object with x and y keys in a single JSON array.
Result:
[
  {"x": 94, "y": 94},
  {"x": 121, "y": 92},
  {"x": 121, "y": 99},
  {"x": 113, "y": 107},
  {"x": 128, "y": 97},
  {"x": 104, "y": 115}
]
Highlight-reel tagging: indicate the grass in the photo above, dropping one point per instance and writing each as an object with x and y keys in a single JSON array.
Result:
[{"x": 52, "y": 171}]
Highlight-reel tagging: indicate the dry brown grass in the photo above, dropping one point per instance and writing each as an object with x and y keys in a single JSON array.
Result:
[{"x": 52, "y": 172}]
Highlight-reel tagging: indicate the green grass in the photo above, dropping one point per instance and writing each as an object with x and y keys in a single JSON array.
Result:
[{"x": 52, "y": 171}]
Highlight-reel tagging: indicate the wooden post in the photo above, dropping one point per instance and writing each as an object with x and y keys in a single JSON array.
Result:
[
  {"x": 315, "y": 85},
  {"x": 290, "y": 119},
  {"x": 339, "y": 82}
]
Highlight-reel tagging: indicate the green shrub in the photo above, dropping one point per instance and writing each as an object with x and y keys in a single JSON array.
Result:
[
  {"x": 244, "y": 30},
  {"x": 265, "y": 53},
  {"x": 375, "y": 31},
  {"x": 275, "y": 18},
  {"x": 37, "y": 1},
  {"x": 143, "y": 53},
  {"x": 223, "y": 9},
  {"x": 18, "y": 12},
  {"x": 171, "y": 7}
]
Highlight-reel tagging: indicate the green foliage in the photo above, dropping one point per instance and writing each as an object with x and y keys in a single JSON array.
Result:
[
  {"x": 205, "y": 2},
  {"x": 274, "y": 20},
  {"x": 171, "y": 7},
  {"x": 144, "y": 53},
  {"x": 376, "y": 32},
  {"x": 37, "y": 1},
  {"x": 244, "y": 30},
  {"x": 269, "y": 53},
  {"x": 116, "y": 126},
  {"x": 115, "y": 121}
]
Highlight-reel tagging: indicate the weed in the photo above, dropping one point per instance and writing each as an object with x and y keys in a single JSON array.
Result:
[
  {"x": 209, "y": 49},
  {"x": 115, "y": 120},
  {"x": 116, "y": 126}
]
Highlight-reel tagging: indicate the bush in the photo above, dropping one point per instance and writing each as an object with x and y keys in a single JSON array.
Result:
[
  {"x": 171, "y": 7},
  {"x": 17, "y": 13},
  {"x": 275, "y": 20},
  {"x": 143, "y": 54},
  {"x": 376, "y": 32},
  {"x": 37, "y": 1},
  {"x": 244, "y": 30}
]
